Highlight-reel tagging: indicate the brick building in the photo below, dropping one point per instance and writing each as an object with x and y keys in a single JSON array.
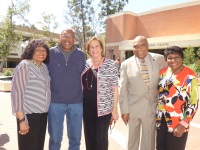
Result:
[{"x": 173, "y": 25}]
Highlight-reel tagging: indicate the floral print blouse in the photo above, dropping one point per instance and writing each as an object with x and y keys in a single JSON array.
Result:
[{"x": 178, "y": 97}]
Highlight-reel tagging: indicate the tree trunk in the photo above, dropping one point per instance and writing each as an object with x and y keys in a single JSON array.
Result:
[{"x": 2, "y": 63}]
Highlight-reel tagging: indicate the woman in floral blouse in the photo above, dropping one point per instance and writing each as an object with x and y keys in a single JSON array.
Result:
[{"x": 178, "y": 101}]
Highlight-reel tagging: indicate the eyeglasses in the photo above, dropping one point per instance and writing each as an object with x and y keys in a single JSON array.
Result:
[
  {"x": 139, "y": 45},
  {"x": 40, "y": 51},
  {"x": 173, "y": 58},
  {"x": 66, "y": 37}
]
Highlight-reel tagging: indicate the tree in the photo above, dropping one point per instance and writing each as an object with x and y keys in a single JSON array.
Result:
[
  {"x": 83, "y": 18},
  {"x": 87, "y": 19},
  {"x": 49, "y": 25},
  {"x": 109, "y": 7},
  {"x": 8, "y": 35},
  {"x": 198, "y": 52},
  {"x": 198, "y": 61},
  {"x": 189, "y": 56}
]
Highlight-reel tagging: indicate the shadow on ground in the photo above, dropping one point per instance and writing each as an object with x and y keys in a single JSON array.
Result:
[{"x": 4, "y": 138}]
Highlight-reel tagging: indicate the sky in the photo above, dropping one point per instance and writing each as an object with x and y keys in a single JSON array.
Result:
[{"x": 58, "y": 8}]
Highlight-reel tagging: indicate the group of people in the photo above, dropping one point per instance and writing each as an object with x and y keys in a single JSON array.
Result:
[
  {"x": 51, "y": 84},
  {"x": 157, "y": 91}
]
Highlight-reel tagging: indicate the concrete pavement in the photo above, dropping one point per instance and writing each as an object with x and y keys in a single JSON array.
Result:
[{"x": 8, "y": 136}]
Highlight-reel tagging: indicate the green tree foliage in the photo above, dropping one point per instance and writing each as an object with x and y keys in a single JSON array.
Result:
[
  {"x": 81, "y": 17},
  {"x": 189, "y": 56},
  {"x": 109, "y": 7},
  {"x": 198, "y": 52},
  {"x": 88, "y": 18},
  {"x": 9, "y": 38},
  {"x": 198, "y": 61},
  {"x": 195, "y": 67},
  {"x": 49, "y": 25}
]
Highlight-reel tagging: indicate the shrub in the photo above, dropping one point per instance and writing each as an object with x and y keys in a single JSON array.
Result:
[
  {"x": 189, "y": 56},
  {"x": 7, "y": 73},
  {"x": 195, "y": 68}
]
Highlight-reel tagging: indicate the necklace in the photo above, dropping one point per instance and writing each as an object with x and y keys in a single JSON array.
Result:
[
  {"x": 36, "y": 63},
  {"x": 87, "y": 84},
  {"x": 92, "y": 77}
]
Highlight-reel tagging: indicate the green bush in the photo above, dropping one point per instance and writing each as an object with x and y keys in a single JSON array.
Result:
[
  {"x": 195, "y": 67},
  {"x": 8, "y": 73},
  {"x": 189, "y": 56}
]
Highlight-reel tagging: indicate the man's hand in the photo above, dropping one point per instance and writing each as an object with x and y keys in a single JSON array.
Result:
[{"x": 125, "y": 118}]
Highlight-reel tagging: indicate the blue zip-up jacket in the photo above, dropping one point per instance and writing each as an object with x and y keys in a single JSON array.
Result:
[{"x": 66, "y": 76}]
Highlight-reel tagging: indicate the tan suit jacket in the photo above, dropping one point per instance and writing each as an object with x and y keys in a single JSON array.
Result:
[{"x": 135, "y": 97}]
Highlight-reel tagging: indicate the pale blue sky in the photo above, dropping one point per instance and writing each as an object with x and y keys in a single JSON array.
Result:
[
  {"x": 139, "y": 6},
  {"x": 58, "y": 7}
]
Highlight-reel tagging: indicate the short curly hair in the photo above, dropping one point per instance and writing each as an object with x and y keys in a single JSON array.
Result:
[
  {"x": 29, "y": 50},
  {"x": 173, "y": 49}
]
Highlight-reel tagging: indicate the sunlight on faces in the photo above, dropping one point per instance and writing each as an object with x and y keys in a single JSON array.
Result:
[
  {"x": 40, "y": 50},
  {"x": 67, "y": 39},
  {"x": 95, "y": 49},
  {"x": 169, "y": 59},
  {"x": 140, "y": 49},
  {"x": 174, "y": 61},
  {"x": 138, "y": 45},
  {"x": 39, "y": 54}
]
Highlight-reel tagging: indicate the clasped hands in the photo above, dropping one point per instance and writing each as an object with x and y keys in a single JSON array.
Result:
[
  {"x": 179, "y": 130},
  {"x": 24, "y": 128}
]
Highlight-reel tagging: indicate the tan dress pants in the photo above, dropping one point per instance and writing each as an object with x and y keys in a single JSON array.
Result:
[{"x": 141, "y": 133}]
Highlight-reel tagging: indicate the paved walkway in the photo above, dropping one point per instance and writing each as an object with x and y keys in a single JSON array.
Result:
[{"x": 8, "y": 138}]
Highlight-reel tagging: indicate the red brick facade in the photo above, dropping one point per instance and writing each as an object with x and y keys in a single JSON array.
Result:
[{"x": 175, "y": 21}]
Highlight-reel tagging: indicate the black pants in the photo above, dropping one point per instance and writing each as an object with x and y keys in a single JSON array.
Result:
[
  {"x": 34, "y": 140},
  {"x": 95, "y": 129},
  {"x": 167, "y": 141}
]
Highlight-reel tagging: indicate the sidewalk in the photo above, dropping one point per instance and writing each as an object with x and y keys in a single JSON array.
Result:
[{"x": 8, "y": 136}]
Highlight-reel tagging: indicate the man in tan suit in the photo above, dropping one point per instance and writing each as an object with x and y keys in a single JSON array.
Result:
[{"x": 138, "y": 96}]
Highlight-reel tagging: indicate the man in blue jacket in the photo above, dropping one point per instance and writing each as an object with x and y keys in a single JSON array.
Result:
[{"x": 65, "y": 67}]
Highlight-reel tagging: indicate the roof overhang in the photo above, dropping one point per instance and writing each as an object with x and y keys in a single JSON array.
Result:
[{"x": 163, "y": 42}]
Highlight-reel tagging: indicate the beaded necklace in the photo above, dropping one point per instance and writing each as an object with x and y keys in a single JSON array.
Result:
[
  {"x": 94, "y": 73},
  {"x": 36, "y": 63}
]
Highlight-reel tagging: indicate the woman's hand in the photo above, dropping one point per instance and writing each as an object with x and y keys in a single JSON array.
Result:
[
  {"x": 24, "y": 128},
  {"x": 115, "y": 115},
  {"x": 179, "y": 130}
]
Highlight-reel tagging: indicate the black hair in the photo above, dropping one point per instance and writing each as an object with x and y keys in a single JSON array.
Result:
[
  {"x": 29, "y": 50},
  {"x": 173, "y": 49}
]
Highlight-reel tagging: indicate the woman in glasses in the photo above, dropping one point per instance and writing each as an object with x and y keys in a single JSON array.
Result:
[
  {"x": 178, "y": 101},
  {"x": 30, "y": 96}
]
